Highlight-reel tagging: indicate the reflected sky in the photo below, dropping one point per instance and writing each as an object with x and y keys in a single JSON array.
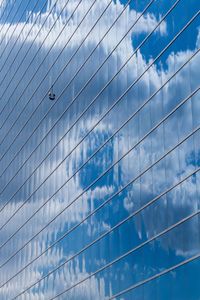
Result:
[{"x": 99, "y": 190}]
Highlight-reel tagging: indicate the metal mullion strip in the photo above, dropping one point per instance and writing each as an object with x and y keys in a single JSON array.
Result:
[
  {"x": 130, "y": 252},
  {"x": 101, "y": 206},
  {"x": 92, "y": 101},
  {"x": 187, "y": 261},
  {"x": 38, "y": 52},
  {"x": 32, "y": 43},
  {"x": 137, "y": 177},
  {"x": 59, "y": 117},
  {"x": 2, "y": 6},
  {"x": 105, "y": 144},
  {"x": 18, "y": 37},
  {"x": 16, "y": 25},
  {"x": 6, "y": 6},
  {"x": 95, "y": 125},
  {"x": 11, "y": 22}
]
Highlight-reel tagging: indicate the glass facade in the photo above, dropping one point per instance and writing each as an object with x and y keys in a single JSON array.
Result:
[{"x": 100, "y": 188}]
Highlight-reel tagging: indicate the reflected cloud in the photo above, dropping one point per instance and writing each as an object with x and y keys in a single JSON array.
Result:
[{"x": 141, "y": 157}]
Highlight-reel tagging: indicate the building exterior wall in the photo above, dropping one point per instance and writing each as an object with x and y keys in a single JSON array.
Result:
[{"x": 100, "y": 188}]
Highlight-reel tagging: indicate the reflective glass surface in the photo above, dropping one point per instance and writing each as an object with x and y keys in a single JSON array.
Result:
[{"x": 99, "y": 149}]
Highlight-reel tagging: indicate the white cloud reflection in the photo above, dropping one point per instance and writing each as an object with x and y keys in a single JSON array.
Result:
[{"x": 95, "y": 288}]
